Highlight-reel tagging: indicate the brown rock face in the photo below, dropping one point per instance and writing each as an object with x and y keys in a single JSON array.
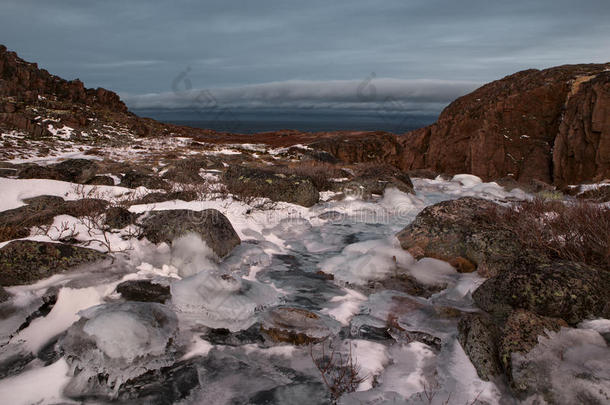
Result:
[
  {"x": 582, "y": 147},
  {"x": 26, "y": 81},
  {"x": 550, "y": 125}
]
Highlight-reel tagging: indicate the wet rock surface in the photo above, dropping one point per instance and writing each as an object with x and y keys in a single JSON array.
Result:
[
  {"x": 297, "y": 326},
  {"x": 144, "y": 291},
  {"x": 24, "y": 262},
  {"x": 213, "y": 227}
]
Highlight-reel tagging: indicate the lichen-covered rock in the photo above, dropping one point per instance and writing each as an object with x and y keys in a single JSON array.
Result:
[
  {"x": 26, "y": 261},
  {"x": 478, "y": 335},
  {"x": 567, "y": 290},
  {"x": 144, "y": 291},
  {"x": 157, "y": 197},
  {"x": 187, "y": 170},
  {"x": 137, "y": 178},
  {"x": 72, "y": 170},
  {"x": 374, "y": 179},
  {"x": 213, "y": 227},
  {"x": 459, "y": 232},
  {"x": 42, "y": 209},
  {"x": 520, "y": 334},
  {"x": 252, "y": 182}
]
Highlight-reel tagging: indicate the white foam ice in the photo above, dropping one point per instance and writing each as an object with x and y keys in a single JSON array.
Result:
[
  {"x": 361, "y": 262},
  {"x": 120, "y": 341},
  {"x": 221, "y": 300}
]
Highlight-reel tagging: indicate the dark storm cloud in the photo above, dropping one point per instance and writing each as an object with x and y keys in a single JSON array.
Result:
[{"x": 292, "y": 52}]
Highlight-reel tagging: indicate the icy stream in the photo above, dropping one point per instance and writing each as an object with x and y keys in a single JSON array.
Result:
[{"x": 172, "y": 353}]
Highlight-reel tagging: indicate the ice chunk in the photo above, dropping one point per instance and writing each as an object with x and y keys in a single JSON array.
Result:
[
  {"x": 37, "y": 386},
  {"x": 432, "y": 271},
  {"x": 190, "y": 255},
  {"x": 369, "y": 260},
  {"x": 467, "y": 180},
  {"x": 119, "y": 341},
  {"x": 221, "y": 300},
  {"x": 63, "y": 314},
  {"x": 346, "y": 306},
  {"x": 570, "y": 366}
]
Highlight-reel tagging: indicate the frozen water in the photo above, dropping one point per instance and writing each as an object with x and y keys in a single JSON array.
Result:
[
  {"x": 569, "y": 366},
  {"x": 119, "y": 341},
  {"x": 161, "y": 352},
  {"x": 221, "y": 300},
  {"x": 190, "y": 255},
  {"x": 361, "y": 262}
]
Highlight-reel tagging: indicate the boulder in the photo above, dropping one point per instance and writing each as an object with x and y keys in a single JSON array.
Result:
[
  {"x": 560, "y": 289},
  {"x": 26, "y": 261},
  {"x": 76, "y": 170},
  {"x": 213, "y": 227},
  {"x": 459, "y": 232},
  {"x": 101, "y": 181},
  {"x": 520, "y": 334},
  {"x": 119, "y": 217},
  {"x": 143, "y": 291},
  {"x": 297, "y": 326},
  {"x": 187, "y": 170},
  {"x": 73, "y": 170},
  {"x": 137, "y": 178},
  {"x": 42, "y": 209},
  {"x": 157, "y": 197},
  {"x": 479, "y": 337},
  {"x": 254, "y": 182},
  {"x": 375, "y": 179}
]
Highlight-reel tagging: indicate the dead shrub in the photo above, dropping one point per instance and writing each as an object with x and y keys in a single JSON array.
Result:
[
  {"x": 10, "y": 232},
  {"x": 340, "y": 372},
  {"x": 574, "y": 230}
]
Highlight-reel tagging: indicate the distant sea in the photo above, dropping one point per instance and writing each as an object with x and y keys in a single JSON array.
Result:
[{"x": 249, "y": 123}]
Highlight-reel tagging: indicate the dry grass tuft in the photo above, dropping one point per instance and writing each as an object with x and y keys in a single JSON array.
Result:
[{"x": 576, "y": 231}]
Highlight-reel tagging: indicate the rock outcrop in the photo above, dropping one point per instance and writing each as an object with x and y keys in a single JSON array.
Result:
[
  {"x": 551, "y": 125},
  {"x": 26, "y": 261},
  {"x": 459, "y": 232},
  {"x": 250, "y": 182},
  {"x": 213, "y": 227}
]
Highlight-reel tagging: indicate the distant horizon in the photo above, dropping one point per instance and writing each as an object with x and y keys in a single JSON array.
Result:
[{"x": 251, "y": 122}]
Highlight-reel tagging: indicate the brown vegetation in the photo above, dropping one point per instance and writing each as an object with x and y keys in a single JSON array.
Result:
[
  {"x": 576, "y": 231},
  {"x": 340, "y": 373}
]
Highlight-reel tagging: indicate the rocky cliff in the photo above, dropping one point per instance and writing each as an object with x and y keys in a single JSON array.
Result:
[{"x": 551, "y": 125}]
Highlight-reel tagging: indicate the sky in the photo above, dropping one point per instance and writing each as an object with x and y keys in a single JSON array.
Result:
[{"x": 414, "y": 56}]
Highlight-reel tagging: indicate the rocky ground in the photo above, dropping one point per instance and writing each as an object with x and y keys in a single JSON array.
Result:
[{"x": 143, "y": 262}]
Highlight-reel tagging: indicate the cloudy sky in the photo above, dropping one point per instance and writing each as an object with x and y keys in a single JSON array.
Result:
[{"x": 415, "y": 55}]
